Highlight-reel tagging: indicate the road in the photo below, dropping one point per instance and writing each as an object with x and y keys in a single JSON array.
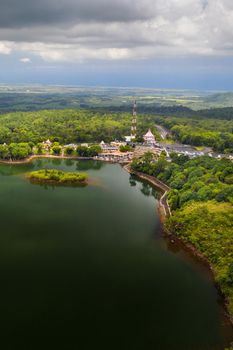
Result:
[
  {"x": 163, "y": 202},
  {"x": 163, "y": 132},
  {"x": 188, "y": 150}
]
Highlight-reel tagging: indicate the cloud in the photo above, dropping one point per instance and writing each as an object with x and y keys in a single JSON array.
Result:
[
  {"x": 6, "y": 47},
  {"x": 78, "y": 30},
  {"x": 26, "y": 12},
  {"x": 25, "y": 60}
]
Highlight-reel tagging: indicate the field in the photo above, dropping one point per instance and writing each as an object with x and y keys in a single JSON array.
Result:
[{"x": 37, "y": 97}]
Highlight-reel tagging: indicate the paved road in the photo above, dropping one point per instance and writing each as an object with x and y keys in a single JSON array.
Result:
[
  {"x": 163, "y": 132},
  {"x": 187, "y": 149}
]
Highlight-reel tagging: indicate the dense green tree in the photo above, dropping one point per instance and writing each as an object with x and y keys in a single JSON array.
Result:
[
  {"x": 4, "y": 151},
  {"x": 56, "y": 149},
  {"x": 69, "y": 151},
  {"x": 82, "y": 151},
  {"x": 126, "y": 148},
  {"x": 179, "y": 159},
  {"x": 39, "y": 148},
  {"x": 94, "y": 150},
  {"x": 19, "y": 150},
  {"x": 209, "y": 227}
]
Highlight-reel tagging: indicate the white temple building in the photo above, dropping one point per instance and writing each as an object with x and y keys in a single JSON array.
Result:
[
  {"x": 129, "y": 138},
  {"x": 149, "y": 138},
  {"x": 47, "y": 143}
]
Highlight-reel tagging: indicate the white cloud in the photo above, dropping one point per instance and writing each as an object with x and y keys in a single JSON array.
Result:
[
  {"x": 25, "y": 60},
  {"x": 71, "y": 53},
  {"x": 6, "y": 47}
]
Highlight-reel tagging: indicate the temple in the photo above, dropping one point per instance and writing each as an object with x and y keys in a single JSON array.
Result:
[{"x": 149, "y": 138}]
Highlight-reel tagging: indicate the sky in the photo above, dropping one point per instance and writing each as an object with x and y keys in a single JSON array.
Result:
[{"x": 144, "y": 43}]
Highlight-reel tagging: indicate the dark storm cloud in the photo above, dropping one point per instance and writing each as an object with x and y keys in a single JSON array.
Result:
[{"x": 26, "y": 13}]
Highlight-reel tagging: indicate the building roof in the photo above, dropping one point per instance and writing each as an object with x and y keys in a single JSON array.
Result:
[
  {"x": 149, "y": 134},
  {"x": 129, "y": 138},
  {"x": 47, "y": 142}
]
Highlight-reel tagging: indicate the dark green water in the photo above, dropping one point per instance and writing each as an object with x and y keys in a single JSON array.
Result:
[{"x": 87, "y": 268}]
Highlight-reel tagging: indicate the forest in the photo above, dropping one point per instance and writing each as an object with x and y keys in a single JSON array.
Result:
[
  {"x": 74, "y": 126},
  {"x": 68, "y": 126},
  {"x": 201, "y": 200}
]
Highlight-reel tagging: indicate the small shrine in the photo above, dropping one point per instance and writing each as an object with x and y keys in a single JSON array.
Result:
[{"x": 149, "y": 138}]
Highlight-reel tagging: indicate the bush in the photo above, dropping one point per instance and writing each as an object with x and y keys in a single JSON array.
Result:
[
  {"x": 56, "y": 149},
  {"x": 69, "y": 151}
]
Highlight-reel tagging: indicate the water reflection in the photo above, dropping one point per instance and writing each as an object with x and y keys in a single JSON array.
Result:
[
  {"x": 39, "y": 163},
  {"x": 9, "y": 170},
  {"x": 89, "y": 165},
  {"x": 132, "y": 181},
  {"x": 53, "y": 186},
  {"x": 56, "y": 161},
  {"x": 69, "y": 162},
  {"x": 146, "y": 188},
  {"x": 48, "y": 163}
]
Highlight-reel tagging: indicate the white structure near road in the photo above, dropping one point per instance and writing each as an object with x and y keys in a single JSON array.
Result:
[{"x": 149, "y": 138}]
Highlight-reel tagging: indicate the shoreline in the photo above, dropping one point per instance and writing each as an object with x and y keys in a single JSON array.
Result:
[
  {"x": 55, "y": 183},
  {"x": 35, "y": 156},
  {"x": 164, "y": 208},
  {"x": 188, "y": 247}
]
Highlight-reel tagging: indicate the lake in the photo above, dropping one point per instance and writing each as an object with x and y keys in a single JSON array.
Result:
[{"x": 88, "y": 268}]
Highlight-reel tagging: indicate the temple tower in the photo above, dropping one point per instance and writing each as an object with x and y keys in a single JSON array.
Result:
[{"x": 134, "y": 121}]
